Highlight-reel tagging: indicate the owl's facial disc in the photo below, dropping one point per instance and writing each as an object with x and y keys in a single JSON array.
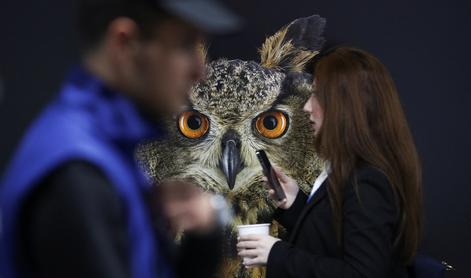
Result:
[{"x": 230, "y": 162}]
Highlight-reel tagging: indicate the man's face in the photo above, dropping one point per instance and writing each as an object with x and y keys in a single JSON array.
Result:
[{"x": 164, "y": 68}]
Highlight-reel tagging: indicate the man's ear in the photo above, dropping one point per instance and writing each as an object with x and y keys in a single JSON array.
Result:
[
  {"x": 292, "y": 47},
  {"x": 122, "y": 33}
]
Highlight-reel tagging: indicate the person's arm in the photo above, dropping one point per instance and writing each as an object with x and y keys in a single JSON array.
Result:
[
  {"x": 74, "y": 226},
  {"x": 369, "y": 217},
  {"x": 288, "y": 217},
  {"x": 288, "y": 209},
  {"x": 200, "y": 254},
  {"x": 183, "y": 206}
]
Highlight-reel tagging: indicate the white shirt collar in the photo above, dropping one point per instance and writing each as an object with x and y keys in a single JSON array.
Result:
[{"x": 321, "y": 178}]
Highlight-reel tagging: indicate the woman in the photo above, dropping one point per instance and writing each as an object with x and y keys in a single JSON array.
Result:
[{"x": 363, "y": 216}]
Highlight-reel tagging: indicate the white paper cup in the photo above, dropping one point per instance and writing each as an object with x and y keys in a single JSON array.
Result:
[{"x": 255, "y": 229}]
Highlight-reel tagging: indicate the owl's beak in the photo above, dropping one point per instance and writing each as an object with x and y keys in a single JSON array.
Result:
[{"x": 230, "y": 162}]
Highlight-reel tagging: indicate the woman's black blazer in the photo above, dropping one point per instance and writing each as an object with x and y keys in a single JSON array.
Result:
[{"x": 370, "y": 219}]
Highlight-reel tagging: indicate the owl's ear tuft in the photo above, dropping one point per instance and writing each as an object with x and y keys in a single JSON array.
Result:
[
  {"x": 306, "y": 32},
  {"x": 202, "y": 49},
  {"x": 294, "y": 46}
]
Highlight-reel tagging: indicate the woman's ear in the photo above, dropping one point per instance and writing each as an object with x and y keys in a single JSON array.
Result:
[{"x": 294, "y": 46}]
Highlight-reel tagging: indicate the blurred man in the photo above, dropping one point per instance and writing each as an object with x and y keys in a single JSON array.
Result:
[{"x": 73, "y": 201}]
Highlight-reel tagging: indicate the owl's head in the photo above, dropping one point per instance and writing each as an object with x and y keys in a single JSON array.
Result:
[{"x": 240, "y": 107}]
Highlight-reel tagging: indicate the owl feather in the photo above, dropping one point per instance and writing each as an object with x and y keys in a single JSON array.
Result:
[{"x": 294, "y": 46}]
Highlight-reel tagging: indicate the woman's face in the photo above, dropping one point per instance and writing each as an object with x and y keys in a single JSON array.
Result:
[{"x": 316, "y": 114}]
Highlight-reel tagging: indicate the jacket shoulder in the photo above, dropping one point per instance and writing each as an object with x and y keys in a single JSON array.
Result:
[
  {"x": 370, "y": 181},
  {"x": 369, "y": 173}
]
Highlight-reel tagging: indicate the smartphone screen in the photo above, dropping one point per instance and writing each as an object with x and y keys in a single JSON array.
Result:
[{"x": 270, "y": 174}]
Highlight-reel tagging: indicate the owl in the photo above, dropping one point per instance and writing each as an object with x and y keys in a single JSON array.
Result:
[{"x": 240, "y": 107}]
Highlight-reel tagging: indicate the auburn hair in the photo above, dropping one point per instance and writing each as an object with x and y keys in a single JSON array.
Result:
[{"x": 364, "y": 123}]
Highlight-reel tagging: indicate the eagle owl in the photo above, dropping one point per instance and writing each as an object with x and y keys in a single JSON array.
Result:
[{"x": 240, "y": 107}]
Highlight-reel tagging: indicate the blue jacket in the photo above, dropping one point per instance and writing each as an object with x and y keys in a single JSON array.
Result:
[{"x": 86, "y": 122}]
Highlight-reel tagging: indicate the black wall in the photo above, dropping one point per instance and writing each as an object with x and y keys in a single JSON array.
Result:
[{"x": 425, "y": 45}]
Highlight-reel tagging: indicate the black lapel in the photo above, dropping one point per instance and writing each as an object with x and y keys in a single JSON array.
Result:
[{"x": 318, "y": 196}]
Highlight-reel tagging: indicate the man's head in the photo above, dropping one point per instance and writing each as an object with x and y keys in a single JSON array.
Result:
[{"x": 142, "y": 49}]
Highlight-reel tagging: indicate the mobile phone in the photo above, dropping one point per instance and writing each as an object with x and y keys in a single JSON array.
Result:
[{"x": 270, "y": 174}]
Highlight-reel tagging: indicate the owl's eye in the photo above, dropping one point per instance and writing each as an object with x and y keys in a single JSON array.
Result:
[
  {"x": 193, "y": 124},
  {"x": 271, "y": 124}
]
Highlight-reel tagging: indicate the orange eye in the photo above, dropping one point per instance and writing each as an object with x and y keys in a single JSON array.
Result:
[
  {"x": 193, "y": 124},
  {"x": 272, "y": 124}
]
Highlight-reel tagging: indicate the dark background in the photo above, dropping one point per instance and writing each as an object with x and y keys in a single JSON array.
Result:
[{"x": 425, "y": 45}]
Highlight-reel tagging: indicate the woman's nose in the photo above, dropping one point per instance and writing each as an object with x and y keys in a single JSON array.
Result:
[{"x": 307, "y": 106}]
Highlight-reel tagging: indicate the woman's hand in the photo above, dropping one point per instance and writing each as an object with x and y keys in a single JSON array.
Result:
[
  {"x": 290, "y": 187},
  {"x": 254, "y": 249}
]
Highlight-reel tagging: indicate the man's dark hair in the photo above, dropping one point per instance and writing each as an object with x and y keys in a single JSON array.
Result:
[{"x": 94, "y": 17}]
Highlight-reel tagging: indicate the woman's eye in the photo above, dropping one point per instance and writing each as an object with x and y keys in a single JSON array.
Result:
[
  {"x": 193, "y": 124},
  {"x": 272, "y": 124}
]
